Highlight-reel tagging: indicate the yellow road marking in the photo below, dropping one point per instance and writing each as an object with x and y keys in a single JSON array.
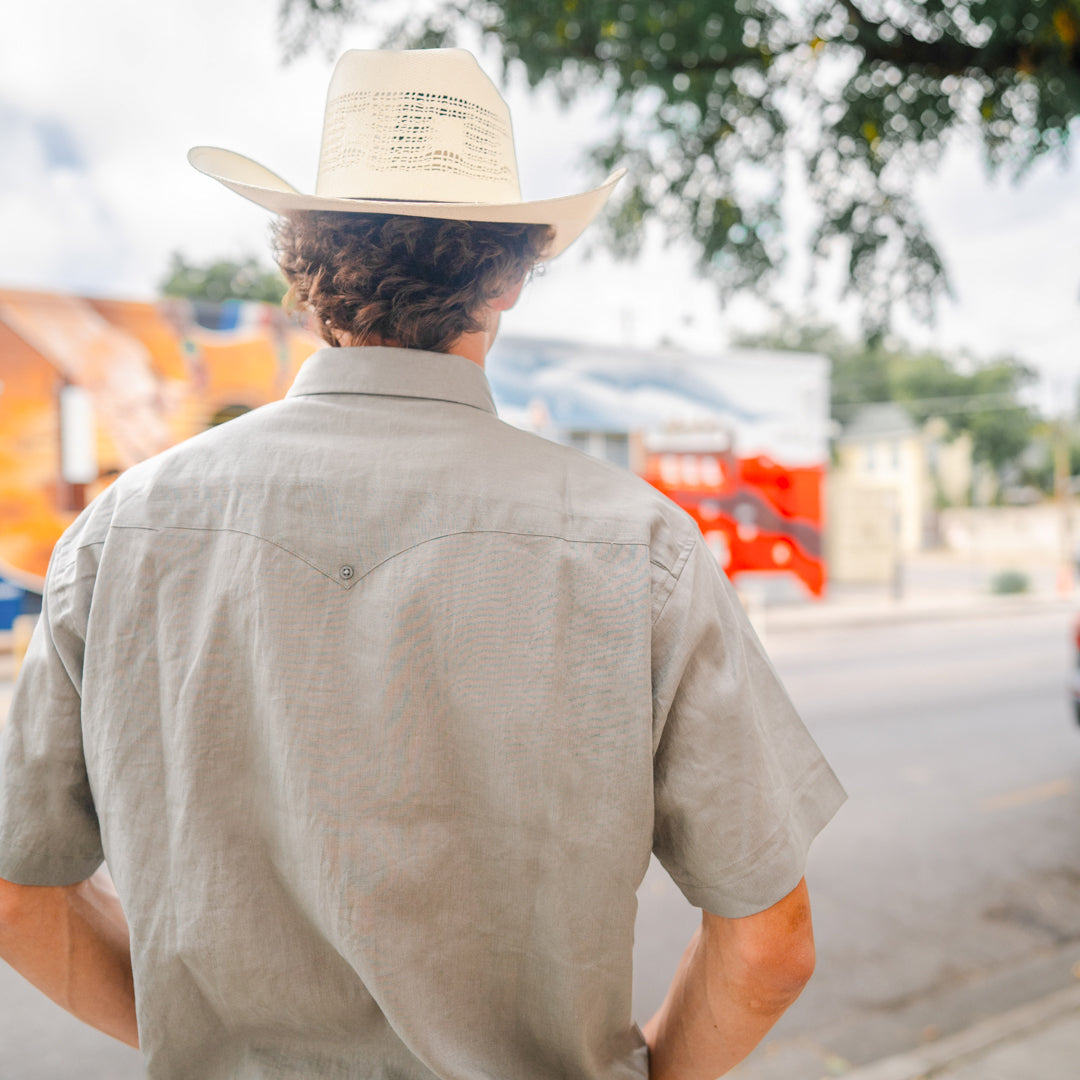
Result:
[{"x": 1024, "y": 796}]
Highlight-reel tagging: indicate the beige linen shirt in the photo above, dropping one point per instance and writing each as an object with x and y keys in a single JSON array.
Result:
[{"x": 376, "y": 707}]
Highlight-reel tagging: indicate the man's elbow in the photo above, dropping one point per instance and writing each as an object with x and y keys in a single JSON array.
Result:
[
  {"x": 771, "y": 979},
  {"x": 766, "y": 959}
]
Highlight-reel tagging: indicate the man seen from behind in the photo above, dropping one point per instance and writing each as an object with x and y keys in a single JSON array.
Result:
[{"x": 376, "y": 706}]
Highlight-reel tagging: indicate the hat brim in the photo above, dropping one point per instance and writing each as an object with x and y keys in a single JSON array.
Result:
[{"x": 568, "y": 215}]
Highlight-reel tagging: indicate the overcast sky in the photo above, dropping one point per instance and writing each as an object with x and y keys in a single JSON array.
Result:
[{"x": 100, "y": 101}]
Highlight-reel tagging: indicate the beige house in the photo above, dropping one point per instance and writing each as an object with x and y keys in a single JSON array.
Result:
[
  {"x": 952, "y": 467},
  {"x": 888, "y": 481}
]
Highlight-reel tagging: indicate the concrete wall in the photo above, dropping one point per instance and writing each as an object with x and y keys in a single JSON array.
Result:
[{"x": 1010, "y": 530}]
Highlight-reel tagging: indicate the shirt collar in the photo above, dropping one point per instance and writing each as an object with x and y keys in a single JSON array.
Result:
[{"x": 393, "y": 372}]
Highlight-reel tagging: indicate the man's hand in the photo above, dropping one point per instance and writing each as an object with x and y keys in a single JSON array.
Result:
[
  {"x": 735, "y": 980},
  {"x": 71, "y": 942}
]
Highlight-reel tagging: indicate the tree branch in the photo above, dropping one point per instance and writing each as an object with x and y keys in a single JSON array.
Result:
[{"x": 947, "y": 55}]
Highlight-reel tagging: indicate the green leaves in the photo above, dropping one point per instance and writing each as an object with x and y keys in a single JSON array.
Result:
[
  {"x": 982, "y": 399},
  {"x": 306, "y": 24},
  {"x": 708, "y": 96},
  {"x": 223, "y": 280}
]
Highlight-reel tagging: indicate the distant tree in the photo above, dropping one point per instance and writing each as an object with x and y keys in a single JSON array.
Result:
[
  {"x": 712, "y": 102},
  {"x": 982, "y": 399},
  {"x": 224, "y": 279},
  {"x": 984, "y": 402}
]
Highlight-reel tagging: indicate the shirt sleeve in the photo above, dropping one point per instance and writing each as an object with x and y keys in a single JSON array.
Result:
[
  {"x": 741, "y": 788},
  {"x": 48, "y": 825}
]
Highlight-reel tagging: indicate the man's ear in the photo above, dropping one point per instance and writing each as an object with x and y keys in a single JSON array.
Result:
[{"x": 508, "y": 298}]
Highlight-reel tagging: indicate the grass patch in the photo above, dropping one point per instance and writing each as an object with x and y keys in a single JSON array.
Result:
[{"x": 1009, "y": 582}]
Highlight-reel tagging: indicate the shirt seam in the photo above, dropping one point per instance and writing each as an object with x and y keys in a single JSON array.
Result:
[
  {"x": 485, "y": 408},
  {"x": 394, "y": 555},
  {"x": 238, "y": 532},
  {"x": 499, "y": 532},
  {"x": 675, "y": 574},
  {"x": 72, "y": 553}
]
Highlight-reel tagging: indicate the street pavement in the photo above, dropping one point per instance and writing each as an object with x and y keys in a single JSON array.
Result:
[
  {"x": 945, "y": 893},
  {"x": 1037, "y": 1040}
]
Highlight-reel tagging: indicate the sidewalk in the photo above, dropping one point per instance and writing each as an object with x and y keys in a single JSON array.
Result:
[
  {"x": 1040, "y": 1041},
  {"x": 871, "y": 608},
  {"x": 934, "y": 585}
]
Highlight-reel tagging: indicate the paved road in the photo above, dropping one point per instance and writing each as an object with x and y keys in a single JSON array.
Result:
[{"x": 946, "y": 889}]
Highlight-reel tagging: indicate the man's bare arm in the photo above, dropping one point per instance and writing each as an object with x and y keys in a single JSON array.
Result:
[
  {"x": 72, "y": 943},
  {"x": 734, "y": 982}
]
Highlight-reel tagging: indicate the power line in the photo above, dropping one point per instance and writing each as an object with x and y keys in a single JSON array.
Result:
[{"x": 952, "y": 403}]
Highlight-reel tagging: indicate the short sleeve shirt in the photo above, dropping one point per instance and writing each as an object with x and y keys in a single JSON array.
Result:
[{"x": 376, "y": 707}]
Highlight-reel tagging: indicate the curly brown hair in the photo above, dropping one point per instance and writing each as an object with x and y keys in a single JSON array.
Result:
[{"x": 420, "y": 283}]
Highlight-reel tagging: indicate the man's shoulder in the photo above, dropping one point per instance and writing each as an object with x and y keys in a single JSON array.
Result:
[
  {"x": 165, "y": 474},
  {"x": 589, "y": 487}
]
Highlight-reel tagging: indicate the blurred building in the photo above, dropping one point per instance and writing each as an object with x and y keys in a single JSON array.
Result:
[
  {"x": 890, "y": 480},
  {"x": 89, "y": 387},
  {"x": 738, "y": 438}
]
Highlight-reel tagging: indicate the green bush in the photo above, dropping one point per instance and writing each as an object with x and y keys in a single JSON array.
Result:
[{"x": 1009, "y": 581}]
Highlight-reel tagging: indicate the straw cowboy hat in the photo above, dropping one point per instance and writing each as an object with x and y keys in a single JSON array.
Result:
[{"x": 423, "y": 133}]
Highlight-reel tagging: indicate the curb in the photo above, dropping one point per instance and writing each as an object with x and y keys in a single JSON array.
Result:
[
  {"x": 785, "y": 620},
  {"x": 928, "y": 1061}
]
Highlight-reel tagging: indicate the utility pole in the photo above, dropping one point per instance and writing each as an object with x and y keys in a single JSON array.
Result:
[{"x": 1066, "y": 576}]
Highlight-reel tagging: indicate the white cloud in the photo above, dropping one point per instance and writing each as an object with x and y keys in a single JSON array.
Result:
[
  {"x": 1013, "y": 250},
  {"x": 56, "y": 227},
  {"x": 136, "y": 86}
]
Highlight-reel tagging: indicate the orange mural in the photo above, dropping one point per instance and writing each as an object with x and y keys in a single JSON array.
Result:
[{"x": 90, "y": 387}]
